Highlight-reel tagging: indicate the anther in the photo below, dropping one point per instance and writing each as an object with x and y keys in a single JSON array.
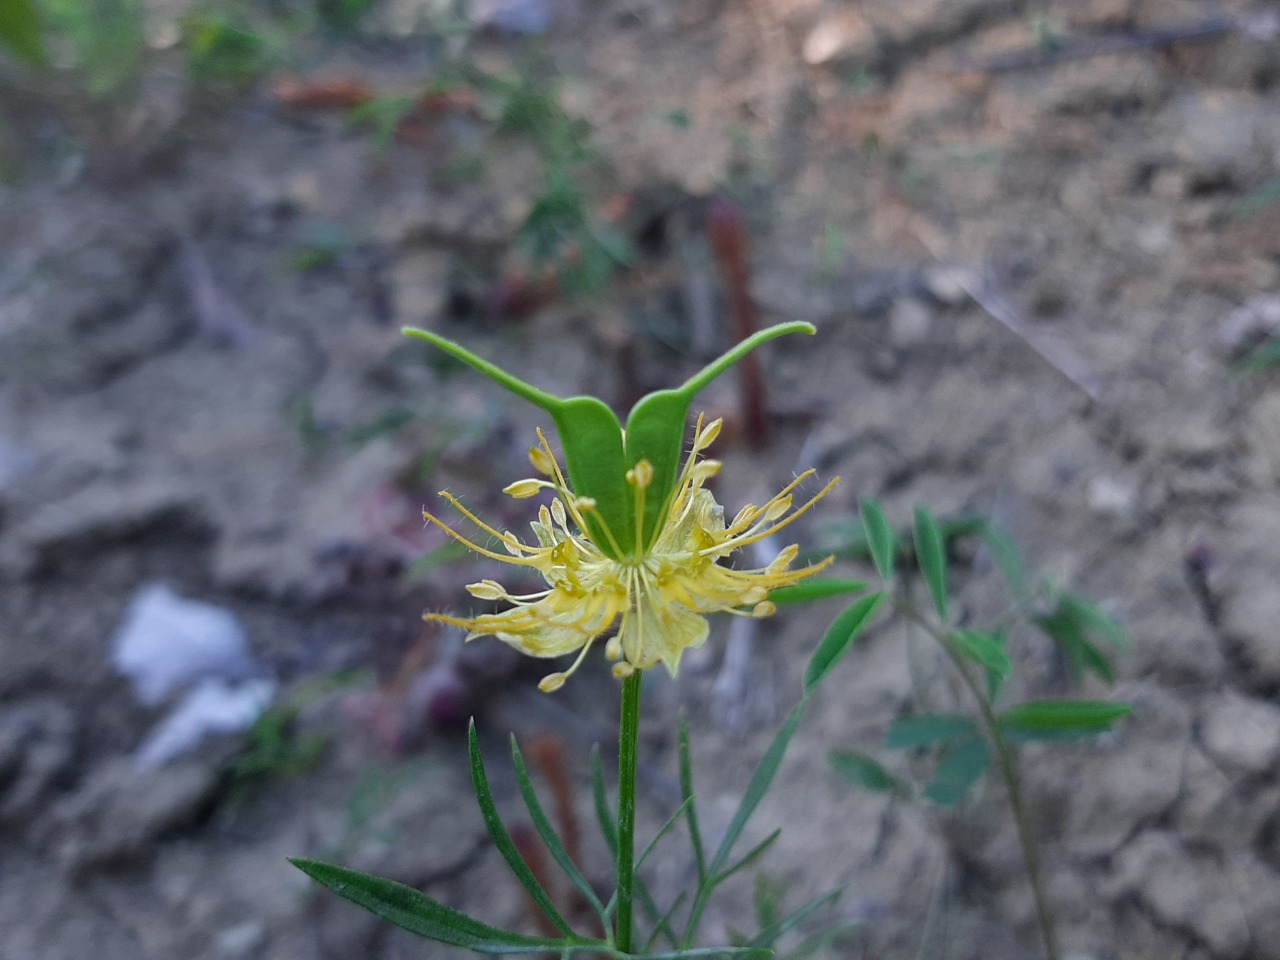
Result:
[
  {"x": 552, "y": 682},
  {"x": 641, "y": 475},
  {"x": 523, "y": 489},
  {"x": 487, "y": 590},
  {"x": 542, "y": 461},
  {"x": 708, "y": 434}
]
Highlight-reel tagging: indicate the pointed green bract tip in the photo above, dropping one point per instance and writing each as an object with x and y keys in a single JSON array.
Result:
[{"x": 598, "y": 452}]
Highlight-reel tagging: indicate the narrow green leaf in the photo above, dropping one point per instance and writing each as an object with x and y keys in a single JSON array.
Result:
[
  {"x": 751, "y": 856},
  {"x": 815, "y": 588},
  {"x": 864, "y": 770},
  {"x": 1061, "y": 719},
  {"x": 662, "y": 924},
  {"x": 775, "y": 931},
  {"x": 881, "y": 539},
  {"x": 932, "y": 559},
  {"x": 604, "y": 815},
  {"x": 416, "y": 912},
  {"x": 1094, "y": 619},
  {"x": 957, "y": 771},
  {"x": 987, "y": 650},
  {"x": 926, "y": 728},
  {"x": 825, "y": 940},
  {"x": 671, "y": 821},
  {"x": 548, "y": 834},
  {"x": 1264, "y": 357},
  {"x": 1007, "y": 557},
  {"x": 711, "y": 953},
  {"x": 759, "y": 784},
  {"x": 502, "y": 840},
  {"x": 690, "y": 807},
  {"x": 20, "y": 31},
  {"x": 839, "y": 637},
  {"x": 1064, "y": 627}
]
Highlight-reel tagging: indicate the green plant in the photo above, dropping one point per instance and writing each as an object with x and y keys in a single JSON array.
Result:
[
  {"x": 223, "y": 47},
  {"x": 635, "y": 542},
  {"x": 629, "y": 547},
  {"x": 20, "y": 31},
  {"x": 104, "y": 40},
  {"x": 959, "y": 747}
]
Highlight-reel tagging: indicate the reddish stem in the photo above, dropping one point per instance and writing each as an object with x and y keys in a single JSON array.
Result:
[{"x": 727, "y": 233}]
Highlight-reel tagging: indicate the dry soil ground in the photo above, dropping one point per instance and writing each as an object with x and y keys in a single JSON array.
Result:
[{"x": 1028, "y": 283}]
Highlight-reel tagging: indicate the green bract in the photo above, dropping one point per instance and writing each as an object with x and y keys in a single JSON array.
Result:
[{"x": 597, "y": 451}]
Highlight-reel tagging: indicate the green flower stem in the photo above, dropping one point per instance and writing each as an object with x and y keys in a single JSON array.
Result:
[
  {"x": 1008, "y": 772},
  {"x": 627, "y": 742}
]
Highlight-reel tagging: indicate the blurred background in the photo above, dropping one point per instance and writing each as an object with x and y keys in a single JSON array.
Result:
[{"x": 1040, "y": 240}]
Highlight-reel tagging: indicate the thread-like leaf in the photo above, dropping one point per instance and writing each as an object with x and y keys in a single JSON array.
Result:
[
  {"x": 750, "y": 857},
  {"x": 881, "y": 540},
  {"x": 690, "y": 806},
  {"x": 604, "y": 815},
  {"x": 671, "y": 821},
  {"x": 416, "y": 912},
  {"x": 662, "y": 924},
  {"x": 759, "y": 784},
  {"x": 548, "y": 834},
  {"x": 772, "y": 933},
  {"x": 839, "y": 637},
  {"x": 502, "y": 840}
]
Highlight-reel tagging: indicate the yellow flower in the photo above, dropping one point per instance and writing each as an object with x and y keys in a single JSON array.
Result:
[{"x": 659, "y": 593}]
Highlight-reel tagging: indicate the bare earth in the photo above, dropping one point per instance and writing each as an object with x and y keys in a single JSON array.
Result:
[{"x": 1029, "y": 286}]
